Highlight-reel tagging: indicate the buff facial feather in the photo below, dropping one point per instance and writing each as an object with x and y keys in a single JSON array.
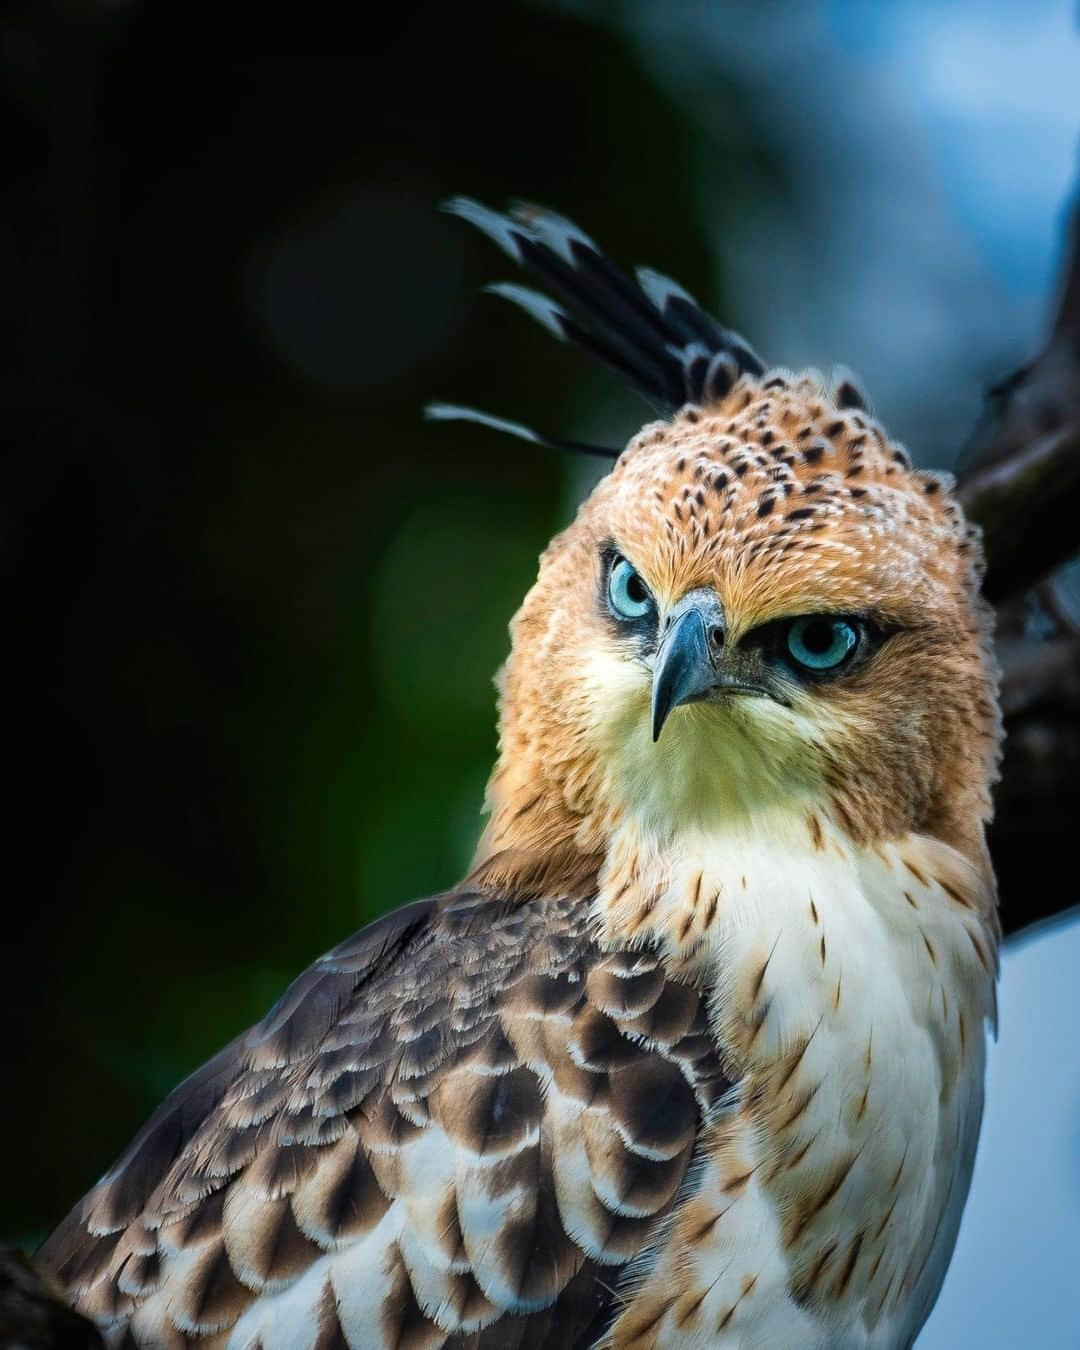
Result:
[{"x": 782, "y": 504}]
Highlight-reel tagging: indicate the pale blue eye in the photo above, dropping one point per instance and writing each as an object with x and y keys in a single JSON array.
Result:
[
  {"x": 627, "y": 593},
  {"x": 819, "y": 642}
]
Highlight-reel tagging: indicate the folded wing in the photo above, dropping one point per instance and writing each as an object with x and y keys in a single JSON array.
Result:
[{"x": 455, "y": 1128}]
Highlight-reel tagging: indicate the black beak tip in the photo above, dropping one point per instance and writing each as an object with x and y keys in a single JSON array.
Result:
[{"x": 661, "y": 708}]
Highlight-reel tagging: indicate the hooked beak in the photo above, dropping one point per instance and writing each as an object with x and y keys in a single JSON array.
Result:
[{"x": 692, "y": 662}]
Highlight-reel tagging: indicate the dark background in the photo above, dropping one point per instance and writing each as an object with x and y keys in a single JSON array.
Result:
[{"x": 254, "y": 602}]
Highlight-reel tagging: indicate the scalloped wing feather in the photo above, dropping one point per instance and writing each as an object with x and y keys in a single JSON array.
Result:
[{"x": 457, "y": 1127}]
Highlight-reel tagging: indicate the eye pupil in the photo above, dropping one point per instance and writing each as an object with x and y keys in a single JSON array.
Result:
[
  {"x": 818, "y": 637},
  {"x": 635, "y": 589}
]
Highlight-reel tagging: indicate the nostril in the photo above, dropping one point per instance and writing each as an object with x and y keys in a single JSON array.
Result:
[{"x": 716, "y": 636}]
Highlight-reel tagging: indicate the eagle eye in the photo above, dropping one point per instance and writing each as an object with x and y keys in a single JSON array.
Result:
[
  {"x": 821, "y": 642},
  {"x": 628, "y": 595}
]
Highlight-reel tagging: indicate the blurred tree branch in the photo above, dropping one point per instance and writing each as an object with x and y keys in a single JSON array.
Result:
[
  {"x": 33, "y": 1314},
  {"x": 1027, "y": 506},
  {"x": 1022, "y": 486},
  {"x": 1023, "y": 479}
]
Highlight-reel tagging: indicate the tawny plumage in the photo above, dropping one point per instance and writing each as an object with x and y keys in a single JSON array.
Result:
[{"x": 695, "y": 1055}]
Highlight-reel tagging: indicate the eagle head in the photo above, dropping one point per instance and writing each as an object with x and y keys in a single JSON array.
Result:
[{"x": 761, "y": 608}]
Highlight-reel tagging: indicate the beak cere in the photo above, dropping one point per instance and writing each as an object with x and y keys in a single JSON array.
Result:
[{"x": 693, "y": 663}]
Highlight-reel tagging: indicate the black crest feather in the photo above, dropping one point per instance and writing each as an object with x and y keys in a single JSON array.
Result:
[{"x": 646, "y": 329}]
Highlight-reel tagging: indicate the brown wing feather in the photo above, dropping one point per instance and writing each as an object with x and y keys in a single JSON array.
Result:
[{"x": 454, "y": 1129}]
